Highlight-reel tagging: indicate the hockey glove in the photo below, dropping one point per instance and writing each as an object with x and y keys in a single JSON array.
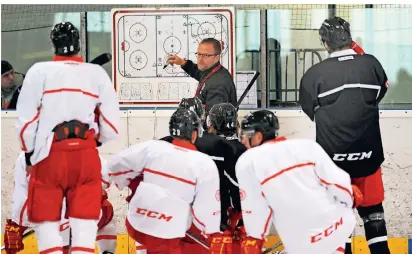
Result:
[
  {"x": 104, "y": 195},
  {"x": 233, "y": 223},
  {"x": 13, "y": 237},
  {"x": 233, "y": 218},
  {"x": 107, "y": 214},
  {"x": 251, "y": 245},
  {"x": 239, "y": 234},
  {"x": 221, "y": 243},
  {"x": 357, "y": 196},
  {"x": 134, "y": 183}
]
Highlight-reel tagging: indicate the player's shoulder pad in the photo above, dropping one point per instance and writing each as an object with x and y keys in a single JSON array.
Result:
[
  {"x": 370, "y": 59},
  {"x": 97, "y": 69},
  {"x": 246, "y": 158},
  {"x": 203, "y": 158},
  {"x": 147, "y": 144},
  {"x": 260, "y": 152},
  {"x": 39, "y": 67},
  {"x": 313, "y": 72},
  {"x": 314, "y": 145},
  {"x": 316, "y": 67},
  {"x": 152, "y": 142}
]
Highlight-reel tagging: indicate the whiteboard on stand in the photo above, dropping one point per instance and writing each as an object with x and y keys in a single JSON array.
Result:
[{"x": 143, "y": 38}]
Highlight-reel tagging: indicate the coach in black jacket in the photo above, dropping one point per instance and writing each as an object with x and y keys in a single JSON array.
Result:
[{"x": 215, "y": 82}]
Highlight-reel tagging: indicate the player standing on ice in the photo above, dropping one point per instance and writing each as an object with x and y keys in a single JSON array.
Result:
[
  {"x": 295, "y": 183},
  {"x": 342, "y": 94},
  {"x": 179, "y": 186},
  {"x": 57, "y": 132},
  {"x": 15, "y": 227}
]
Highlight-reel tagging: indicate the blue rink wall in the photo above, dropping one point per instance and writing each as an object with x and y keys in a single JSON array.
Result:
[{"x": 143, "y": 124}]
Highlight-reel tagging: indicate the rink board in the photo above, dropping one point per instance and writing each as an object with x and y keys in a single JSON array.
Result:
[
  {"x": 142, "y": 40},
  {"x": 125, "y": 245}
]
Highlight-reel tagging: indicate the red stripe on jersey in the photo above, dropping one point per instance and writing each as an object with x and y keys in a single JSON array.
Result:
[
  {"x": 75, "y": 90},
  {"x": 338, "y": 186},
  {"x": 287, "y": 169},
  {"x": 24, "y": 129},
  {"x": 121, "y": 173},
  {"x": 50, "y": 250},
  {"x": 168, "y": 176},
  {"x": 99, "y": 112},
  {"x": 82, "y": 249}
]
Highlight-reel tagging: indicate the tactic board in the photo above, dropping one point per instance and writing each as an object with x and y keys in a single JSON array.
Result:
[
  {"x": 243, "y": 79},
  {"x": 143, "y": 38}
]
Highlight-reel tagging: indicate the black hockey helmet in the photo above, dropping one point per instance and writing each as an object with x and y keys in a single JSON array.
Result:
[
  {"x": 223, "y": 117},
  {"x": 183, "y": 122},
  {"x": 194, "y": 104},
  {"x": 66, "y": 39},
  {"x": 263, "y": 121},
  {"x": 336, "y": 32}
]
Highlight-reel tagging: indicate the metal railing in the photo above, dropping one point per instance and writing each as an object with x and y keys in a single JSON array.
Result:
[{"x": 279, "y": 72}]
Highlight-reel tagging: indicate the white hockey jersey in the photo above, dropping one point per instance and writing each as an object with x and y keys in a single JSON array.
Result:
[
  {"x": 180, "y": 185},
  {"x": 63, "y": 90},
  {"x": 295, "y": 183}
]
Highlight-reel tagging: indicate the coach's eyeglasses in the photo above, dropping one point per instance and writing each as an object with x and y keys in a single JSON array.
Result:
[{"x": 200, "y": 55}]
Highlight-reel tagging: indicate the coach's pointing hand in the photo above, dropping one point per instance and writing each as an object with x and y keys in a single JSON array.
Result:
[{"x": 174, "y": 59}]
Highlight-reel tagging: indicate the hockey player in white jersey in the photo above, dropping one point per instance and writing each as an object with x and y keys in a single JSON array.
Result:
[
  {"x": 179, "y": 185},
  {"x": 57, "y": 132},
  {"x": 15, "y": 227},
  {"x": 296, "y": 185}
]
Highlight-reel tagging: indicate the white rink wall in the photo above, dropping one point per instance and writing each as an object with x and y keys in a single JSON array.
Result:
[{"x": 143, "y": 124}]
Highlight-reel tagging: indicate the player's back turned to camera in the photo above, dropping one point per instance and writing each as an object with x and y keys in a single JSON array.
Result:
[
  {"x": 223, "y": 144},
  {"x": 296, "y": 185},
  {"x": 57, "y": 130},
  {"x": 342, "y": 95},
  {"x": 179, "y": 186}
]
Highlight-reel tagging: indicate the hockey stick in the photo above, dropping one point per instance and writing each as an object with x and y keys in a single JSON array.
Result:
[
  {"x": 249, "y": 86},
  {"x": 196, "y": 239},
  {"x": 102, "y": 59},
  {"x": 267, "y": 251}
]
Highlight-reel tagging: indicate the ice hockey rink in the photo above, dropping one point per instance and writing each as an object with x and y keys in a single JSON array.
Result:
[{"x": 280, "y": 41}]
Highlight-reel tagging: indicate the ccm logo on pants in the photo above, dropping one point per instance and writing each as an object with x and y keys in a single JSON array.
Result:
[
  {"x": 327, "y": 232},
  {"x": 352, "y": 156},
  {"x": 153, "y": 214}
]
